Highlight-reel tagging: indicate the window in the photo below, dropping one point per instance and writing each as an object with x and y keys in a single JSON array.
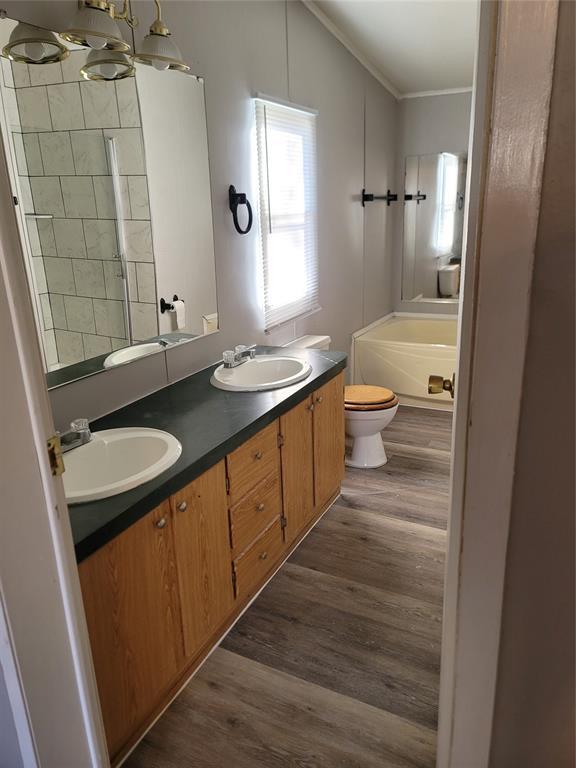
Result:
[{"x": 286, "y": 138}]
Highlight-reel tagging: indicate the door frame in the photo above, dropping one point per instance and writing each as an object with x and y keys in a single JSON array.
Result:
[
  {"x": 46, "y": 655},
  {"x": 508, "y": 143}
]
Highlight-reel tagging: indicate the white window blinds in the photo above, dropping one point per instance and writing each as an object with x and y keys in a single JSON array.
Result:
[{"x": 286, "y": 139}]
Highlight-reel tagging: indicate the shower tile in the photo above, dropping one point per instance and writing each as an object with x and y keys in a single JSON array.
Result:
[
  {"x": 47, "y": 195},
  {"x": 65, "y": 106},
  {"x": 79, "y": 200},
  {"x": 20, "y": 74},
  {"x": 33, "y": 109},
  {"x": 144, "y": 321},
  {"x": 146, "y": 283},
  {"x": 25, "y": 194},
  {"x": 89, "y": 152},
  {"x": 59, "y": 276},
  {"x": 45, "y": 229},
  {"x": 113, "y": 280},
  {"x": 46, "y": 311},
  {"x": 69, "y": 238},
  {"x": 72, "y": 65},
  {"x": 7, "y": 74},
  {"x": 96, "y": 345},
  {"x": 119, "y": 343},
  {"x": 34, "y": 237},
  {"x": 128, "y": 103},
  {"x": 100, "y": 237},
  {"x": 89, "y": 278},
  {"x": 105, "y": 197},
  {"x": 132, "y": 284},
  {"x": 138, "y": 240},
  {"x": 33, "y": 155},
  {"x": 69, "y": 346},
  {"x": 19, "y": 151},
  {"x": 100, "y": 105},
  {"x": 41, "y": 285},
  {"x": 46, "y": 74},
  {"x": 130, "y": 150},
  {"x": 11, "y": 110},
  {"x": 138, "y": 189},
  {"x": 109, "y": 316},
  {"x": 50, "y": 348},
  {"x": 58, "y": 311},
  {"x": 56, "y": 152},
  {"x": 79, "y": 314}
]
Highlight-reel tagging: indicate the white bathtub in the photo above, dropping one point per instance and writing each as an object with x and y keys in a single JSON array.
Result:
[{"x": 401, "y": 351}]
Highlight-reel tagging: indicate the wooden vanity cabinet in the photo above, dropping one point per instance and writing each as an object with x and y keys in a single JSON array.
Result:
[
  {"x": 159, "y": 595},
  {"x": 132, "y": 609}
]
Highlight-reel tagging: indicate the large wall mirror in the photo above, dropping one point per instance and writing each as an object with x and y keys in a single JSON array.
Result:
[
  {"x": 112, "y": 190},
  {"x": 433, "y": 226}
]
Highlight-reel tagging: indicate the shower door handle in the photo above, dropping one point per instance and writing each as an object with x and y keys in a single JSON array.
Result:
[{"x": 438, "y": 384}]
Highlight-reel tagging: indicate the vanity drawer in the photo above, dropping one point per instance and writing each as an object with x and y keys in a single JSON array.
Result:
[
  {"x": 251, "y": 569},
  {"x": 255, "y": 512},
  {"x": 254, "y": 461}
]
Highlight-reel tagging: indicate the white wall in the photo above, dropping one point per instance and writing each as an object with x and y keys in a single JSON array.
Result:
[
  {"x": 426, "y": 125},
  {"x": 282, "y": 50}
]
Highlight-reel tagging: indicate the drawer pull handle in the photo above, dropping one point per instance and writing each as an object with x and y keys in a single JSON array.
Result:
[
  {"x": 183, "y": 506},
  {"x": 311, "y": 407},
  {"x": 260, "y": 507},
  {"x": 263, "y": 555},
  {"x": 161, "y": 523},
  {"x": 319, "y": 398},
  {"x": 258, "y": 455}
]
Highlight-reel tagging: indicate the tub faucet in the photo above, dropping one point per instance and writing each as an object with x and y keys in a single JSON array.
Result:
[
  {"x": 78, "y": 434},
  {"x": 238, "y": 355}
]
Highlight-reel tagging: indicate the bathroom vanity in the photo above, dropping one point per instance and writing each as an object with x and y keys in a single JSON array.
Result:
[{"x": 167, "y": 568}]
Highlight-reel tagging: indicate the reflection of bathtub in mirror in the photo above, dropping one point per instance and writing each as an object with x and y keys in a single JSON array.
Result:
[{"x": 400, "y": 351}]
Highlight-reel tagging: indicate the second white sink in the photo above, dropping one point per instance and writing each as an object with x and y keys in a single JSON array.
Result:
[
  {"x": 260, "y": 373},
  {"x": 116, "y": 460},
  {"x": 127, "y": 354}
]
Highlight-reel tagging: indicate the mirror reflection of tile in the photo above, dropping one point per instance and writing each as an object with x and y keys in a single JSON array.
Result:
[{"x": 58, "y": 125}]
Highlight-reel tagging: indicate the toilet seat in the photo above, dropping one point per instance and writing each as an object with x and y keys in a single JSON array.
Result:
[{"x": 363, "y": 397}]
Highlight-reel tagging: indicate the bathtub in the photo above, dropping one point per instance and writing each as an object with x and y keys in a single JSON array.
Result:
[{"x": 401, "y": 351}]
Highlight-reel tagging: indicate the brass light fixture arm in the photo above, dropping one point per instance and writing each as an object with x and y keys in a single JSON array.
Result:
[{"x": 125, "y": 14}]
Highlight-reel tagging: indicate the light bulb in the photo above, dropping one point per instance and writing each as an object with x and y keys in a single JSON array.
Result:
[
  {"x": 160, "y": 65},
  {"x": 35, "y": 51},
  {"x": 96, "y": 42},
  {"x": 108, "y": 71}
]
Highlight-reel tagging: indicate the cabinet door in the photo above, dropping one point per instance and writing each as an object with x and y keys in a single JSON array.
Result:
[
  {"x": 133, "y": 614},
  {"x": 297, "y": 469},
  {"x": 328, "y": 423},
  {"x": 203, "y": 557}
]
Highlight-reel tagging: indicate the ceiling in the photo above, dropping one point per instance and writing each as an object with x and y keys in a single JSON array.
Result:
[{"x": 414, "y": 45}]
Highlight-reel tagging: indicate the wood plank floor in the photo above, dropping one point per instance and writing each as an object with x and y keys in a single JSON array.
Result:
[{"x": 336, "y": 664}]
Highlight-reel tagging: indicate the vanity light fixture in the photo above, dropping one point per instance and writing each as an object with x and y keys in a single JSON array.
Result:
[
  {"x": 32, "y": 45},
  {"x": 95, "y": 26},
  {"x": 158, "y": 50},
  {"x": 107, "y": 65}
]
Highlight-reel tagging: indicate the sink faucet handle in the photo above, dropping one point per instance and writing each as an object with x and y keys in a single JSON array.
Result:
[
  {"x": 228, "y": 356},
  {"x": 80, "y": 425},
  {"x": 239, "y": 348}
]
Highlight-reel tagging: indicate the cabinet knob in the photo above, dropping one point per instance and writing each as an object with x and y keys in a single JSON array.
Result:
[
  {"x": 311, "y": 407},
  {"x": 260, "y": 507},
  {"x": 182, "y": 507},
  {"x": 258, "y": 455},
  {"x": 319, "y": 398},
  {"x": 263, "y": 555},
  {"x": 161, "y": 523}
]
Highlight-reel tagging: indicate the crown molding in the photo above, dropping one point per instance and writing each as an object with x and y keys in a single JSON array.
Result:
[
  {"x": 445, "y": 92},
  {"x": 351, "y": 47}
]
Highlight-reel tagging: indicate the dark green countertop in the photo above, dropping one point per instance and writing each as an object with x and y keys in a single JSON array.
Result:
[{"x": 209, "y": 423}]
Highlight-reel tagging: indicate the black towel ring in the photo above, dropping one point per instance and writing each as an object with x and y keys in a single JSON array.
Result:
[{"x": 234, "y": 200}]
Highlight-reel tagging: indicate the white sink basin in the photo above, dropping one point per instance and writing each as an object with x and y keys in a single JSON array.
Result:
[
  {"x": 260, "y": 373},
  {"x": 126, "y": 354},
  {"x": 116, "y": 460}
]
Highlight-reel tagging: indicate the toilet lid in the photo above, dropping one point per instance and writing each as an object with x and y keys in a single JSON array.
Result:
[
  {"x": 374, "y": 407},
  {"x": 365, "y": 394}
]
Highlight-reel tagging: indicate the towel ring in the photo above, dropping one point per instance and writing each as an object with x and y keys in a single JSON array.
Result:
[{"x": 234, "y": 200}]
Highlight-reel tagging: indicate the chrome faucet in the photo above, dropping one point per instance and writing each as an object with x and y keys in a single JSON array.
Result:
[
  {"x": 78, "y": 434},
  {"x": 238, "y": 355}
]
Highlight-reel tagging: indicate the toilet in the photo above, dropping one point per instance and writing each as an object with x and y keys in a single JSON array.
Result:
[
  {"x": 449, "y": 280},
  {"x": 368, "y": 410}
]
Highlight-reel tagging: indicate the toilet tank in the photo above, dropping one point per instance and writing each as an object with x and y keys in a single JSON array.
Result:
[
  {"x": 449, "y": 280},
  {"x": 310, "y": 342}
]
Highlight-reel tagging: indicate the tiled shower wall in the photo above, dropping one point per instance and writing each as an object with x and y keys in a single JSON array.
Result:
[{"x": 59, "y": 141}]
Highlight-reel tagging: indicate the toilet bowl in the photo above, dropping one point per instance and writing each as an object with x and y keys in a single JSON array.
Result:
[{"x": 368, "y": 410}]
